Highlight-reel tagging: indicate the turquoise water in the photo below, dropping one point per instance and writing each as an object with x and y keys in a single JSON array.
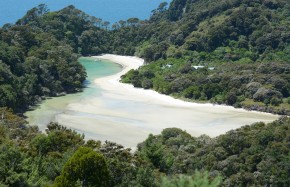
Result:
[
  {"x": 114, "y": 112},
  {"x": 108, "y": 10},
  {"x": 49, "y": 108},
  {"x": 95, "y": 69}
]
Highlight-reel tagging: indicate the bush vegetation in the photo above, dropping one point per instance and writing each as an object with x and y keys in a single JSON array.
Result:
[
  {"x": 233, "y": 52},
  {"x": 254, "y": 155}
]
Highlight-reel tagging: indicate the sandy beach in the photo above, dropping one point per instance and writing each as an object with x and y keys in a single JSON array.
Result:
[
  {"x": 127, "y": 115},
  {"x": 164, "y": 111}
]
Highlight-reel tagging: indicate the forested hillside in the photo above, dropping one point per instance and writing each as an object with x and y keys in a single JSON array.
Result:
[
  {"x": 227, "y": 52},
  {"x": 62, "y": 157},
  {"x": 243, "y": 36},
  {"x": 35, "y": 62},
  {"x": 233, "y": 52},
  {"x": 254, "y": 155}
]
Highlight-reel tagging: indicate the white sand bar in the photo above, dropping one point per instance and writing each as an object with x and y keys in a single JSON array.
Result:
[{"x": 128, "y": 115}]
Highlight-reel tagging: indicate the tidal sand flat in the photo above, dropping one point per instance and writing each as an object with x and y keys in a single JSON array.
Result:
[{"x": 117, "y": 112}]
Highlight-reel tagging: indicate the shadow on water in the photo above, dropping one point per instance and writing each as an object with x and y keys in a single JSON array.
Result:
[
  {"x": 86, "y": 83},
  {"x": 49, "y": 107}
]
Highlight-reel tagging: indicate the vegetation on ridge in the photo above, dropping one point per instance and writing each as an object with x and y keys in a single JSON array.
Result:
[
  {"x": 234, "y": 52},
  {"x": 226, "y": 52},
  {"x": 35, "y": 63},
  {"x": 244, "y": 36},
  {"x": 254, "y": 155}
]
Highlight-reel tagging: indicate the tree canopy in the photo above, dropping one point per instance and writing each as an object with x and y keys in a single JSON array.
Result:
[{"x": 233, "y": 52}]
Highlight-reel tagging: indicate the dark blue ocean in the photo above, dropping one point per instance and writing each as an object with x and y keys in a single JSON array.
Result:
[{"x": 108, "y": 10}]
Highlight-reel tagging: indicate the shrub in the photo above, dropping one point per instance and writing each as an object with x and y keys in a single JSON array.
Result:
[
  {"x": 146, "y": 84},
  {"x": 198, "y": 180},
  {"x": 276, "y": 101},
  {"x": 264, "y": 93}
]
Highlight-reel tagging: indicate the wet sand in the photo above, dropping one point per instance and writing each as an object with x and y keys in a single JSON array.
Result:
[{"x": 127, "y": 115}]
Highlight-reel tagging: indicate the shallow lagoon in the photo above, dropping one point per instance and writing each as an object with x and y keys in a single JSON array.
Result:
[
  {"x": 129, "y": 116},
  {"x": 49, "y": 109}
]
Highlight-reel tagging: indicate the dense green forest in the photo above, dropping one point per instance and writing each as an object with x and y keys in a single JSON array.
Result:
[
  {"x": 243, "y": 36},
  {"x": 34, "y": 63},
  {"x": 233, "y": 52},
  {"x": 62, "y": 157},
  {"x": 262, "y": 86},
  {"x": 254, "y": 155}
]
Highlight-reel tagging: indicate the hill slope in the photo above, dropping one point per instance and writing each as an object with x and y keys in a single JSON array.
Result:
[
  {"x": 243, "y": 43},
  {"x": 35, "y": 63},
  {"x": 254, "y": 155},
  {"x": 244, "y": 48}
]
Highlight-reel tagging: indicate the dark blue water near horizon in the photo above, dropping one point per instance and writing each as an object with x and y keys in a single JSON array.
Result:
[{"x": 108, "y": 10}]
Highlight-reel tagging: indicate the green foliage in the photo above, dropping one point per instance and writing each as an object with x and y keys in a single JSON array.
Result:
[
  {"x": 40, "y": 60},
  {"x": 12, "y": 170},
  {"x": 127, "y": 169},
  {"x": 198, "y": 180},
  {"x": 252, "y": 30},
  {"x": 37, "y": 63},
  {"x": 227, "y": 35},
  {"x": 223, "y": 83},
  {"x": 58, "y": 139},
  {"x": 86, "y": 167},
  {"x": 249, "y": 156},
  {"x": 254, "y": 155},
  {"x": 244, "y": 48},
  {"x": 154, "y": 150}
]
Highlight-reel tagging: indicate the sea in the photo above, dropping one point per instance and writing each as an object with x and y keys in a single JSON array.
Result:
[{"x": 107, "y": 10}]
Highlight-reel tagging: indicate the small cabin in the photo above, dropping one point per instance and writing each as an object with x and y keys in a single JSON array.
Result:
[
  {"x": 167, "y": 66},
  {"x": 198, "y": 67}
]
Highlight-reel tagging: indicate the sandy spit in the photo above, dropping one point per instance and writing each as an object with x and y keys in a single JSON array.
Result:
[{"x": 127, "y": 115}]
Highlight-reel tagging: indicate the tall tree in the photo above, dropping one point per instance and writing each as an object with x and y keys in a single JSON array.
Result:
[{"x": 85, "y": 167}]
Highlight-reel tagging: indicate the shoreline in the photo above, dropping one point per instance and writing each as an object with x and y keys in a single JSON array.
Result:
[
  {"x": 120, "y": 113},
  {"x": 129, "y": 62}
]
